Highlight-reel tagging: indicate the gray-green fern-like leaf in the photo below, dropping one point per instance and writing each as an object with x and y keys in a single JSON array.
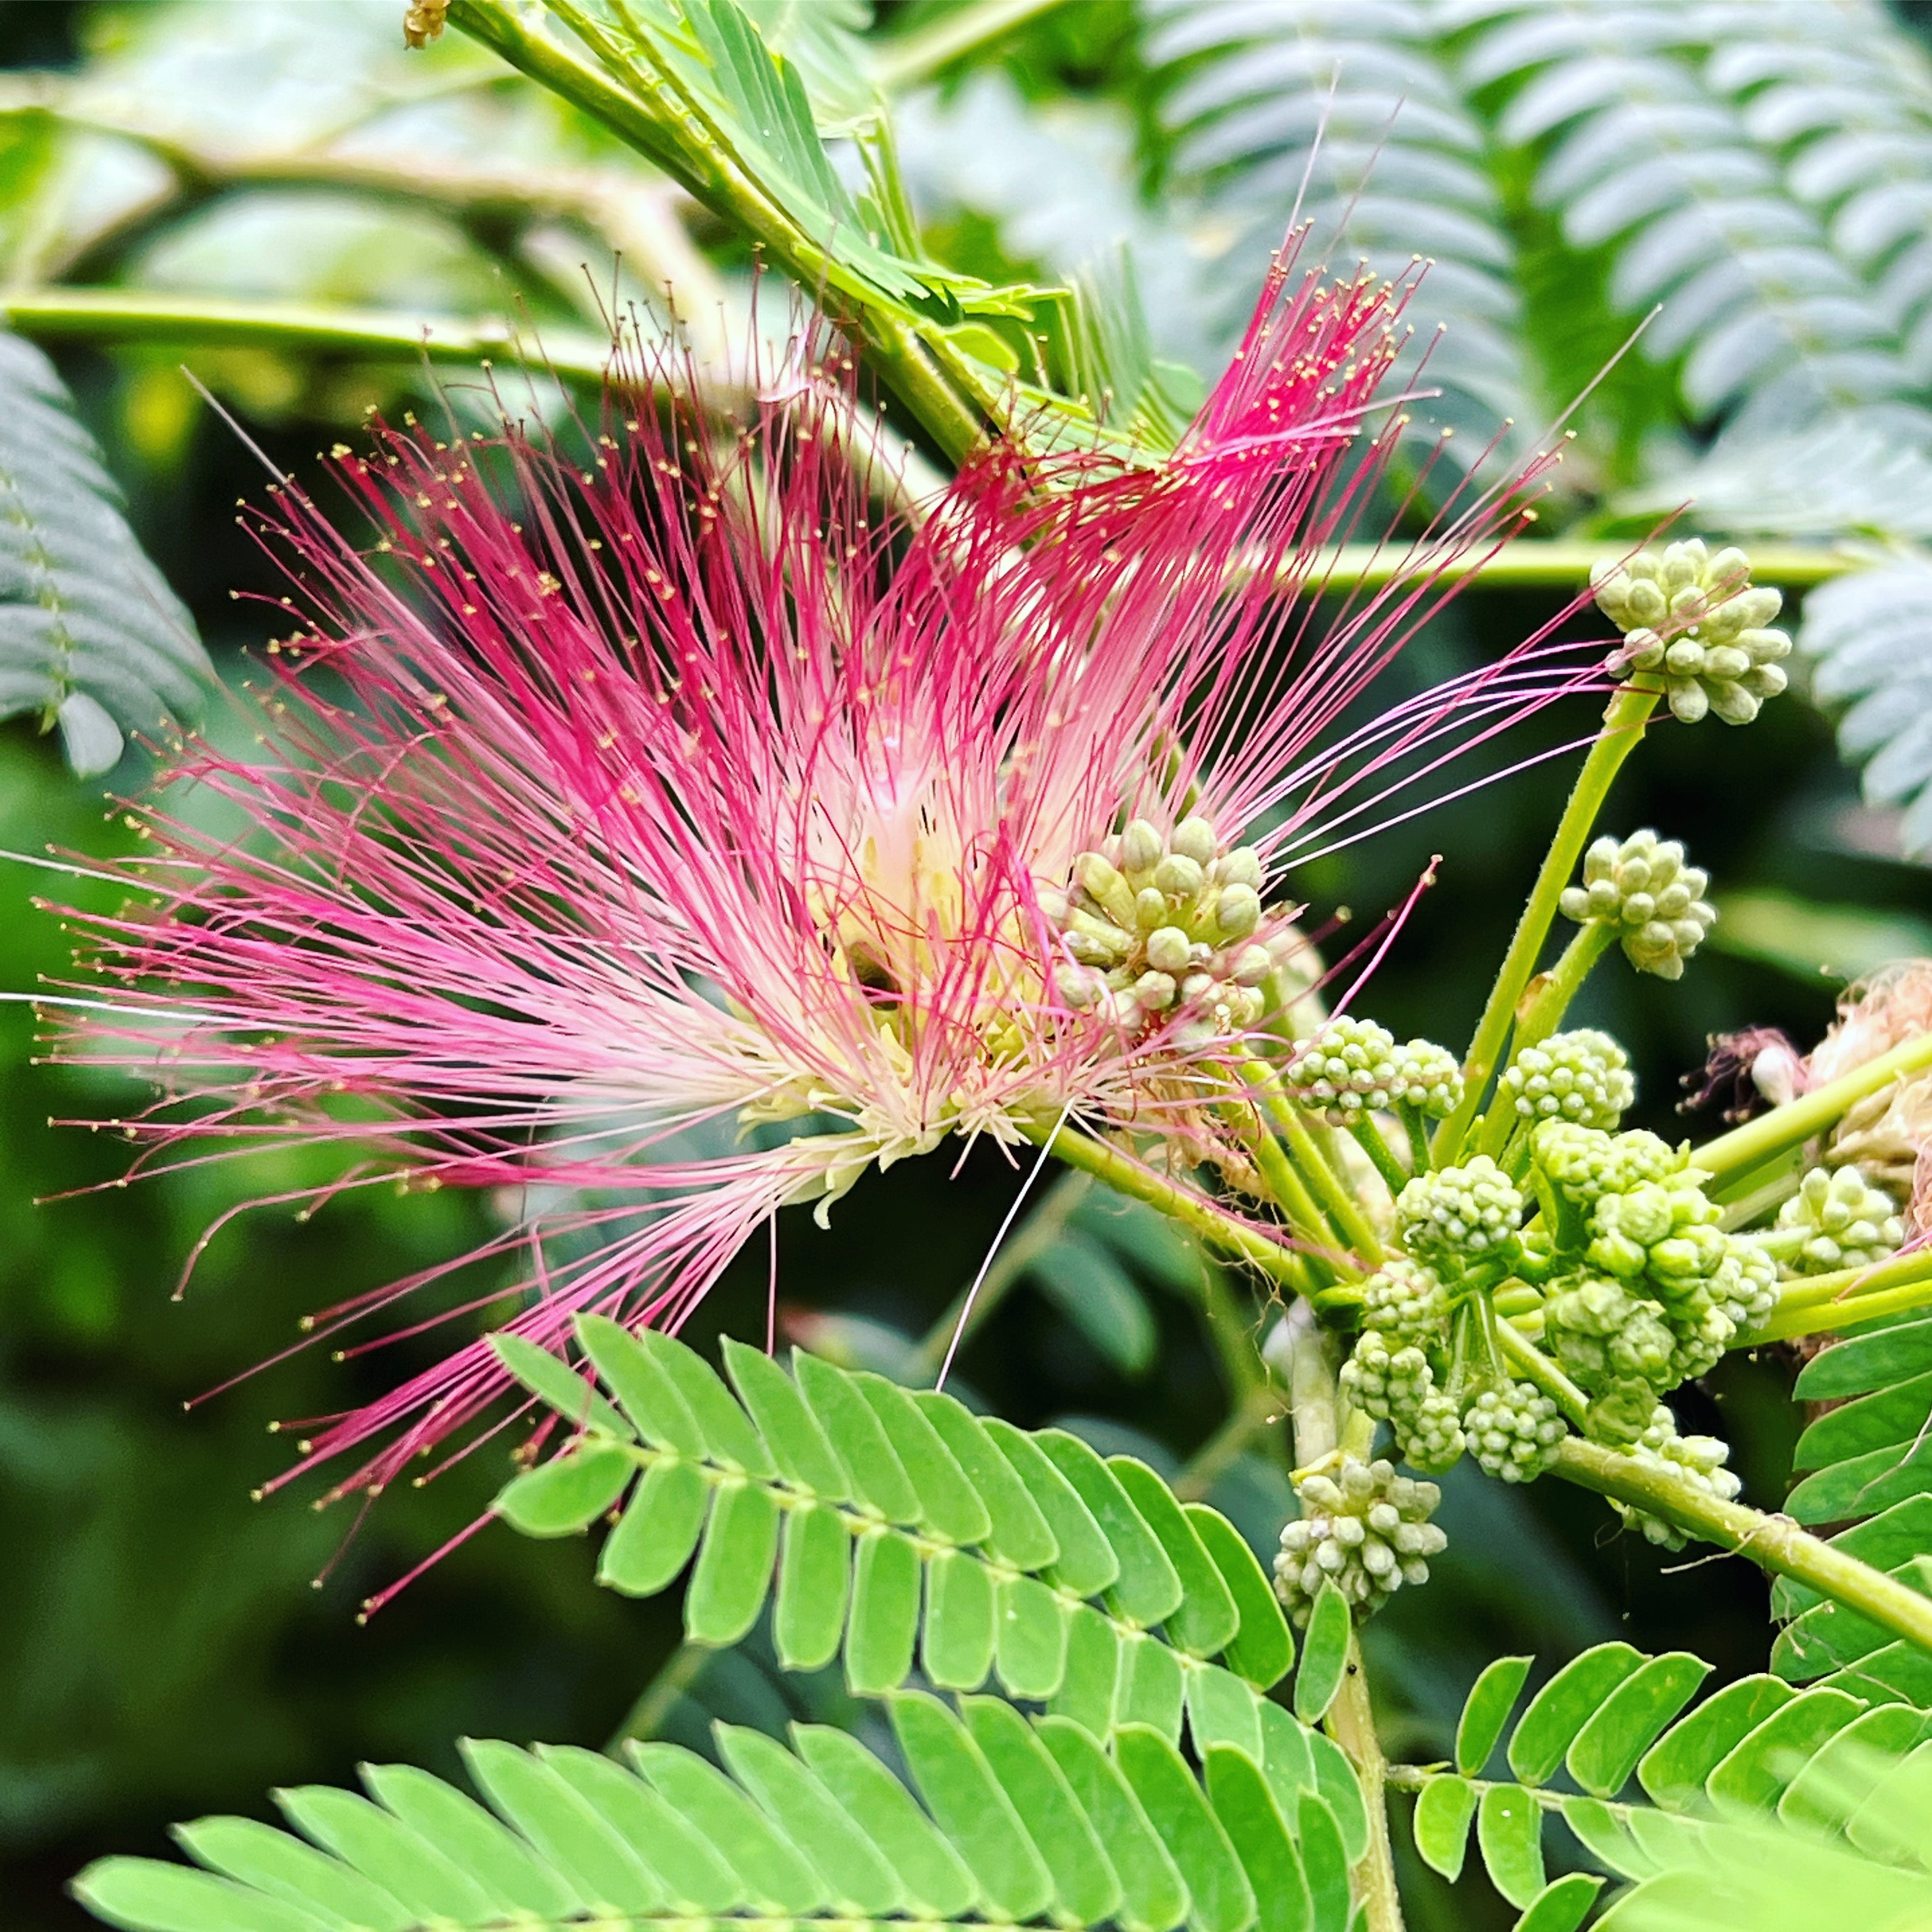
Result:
[
  {"x": 1869, "y": 637},
  {"x": 91, "y": 638}
]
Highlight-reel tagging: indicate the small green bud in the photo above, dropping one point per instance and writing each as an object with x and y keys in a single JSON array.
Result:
[
  {"x": 1179, "y": 877},
  {"x": 1406, "y": 1301},
  {"x": 1347, "y": 1069},
  {"x": 1700, "y": 1458},
  {"x": 1431, "y": 1439},
  {"x": 1428, "y": 1078},
  {"x": 1512, "y": 1432},
  {"x": 1586, "y": 1164},
  {"x": 1366, "y": 1529},
  {"x": 1167, "y": 949},
  {"x": 1845, "y": 1222},
  {"x": 1582, "y": 1076},
  {"x": 1194, "y": 839},
  {"x": 1142, "y": 848},
  {"x": 1693, "y": 622},
  {"x": 1655, "y": 901},
  {"x": 1458, "y": 1213}
]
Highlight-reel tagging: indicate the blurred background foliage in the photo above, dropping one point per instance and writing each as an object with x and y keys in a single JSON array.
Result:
[{"x": 1762, "y": 169}]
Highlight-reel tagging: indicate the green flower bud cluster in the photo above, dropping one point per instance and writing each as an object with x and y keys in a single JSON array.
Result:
[
  {"x": 1512, "y": 1432},
  {"x": 1700, "y": 1458},
  {"x": 1836, "y": 1219},
  {"x": 1365, "y": 1529},
  {"x": 1656, "y": 902},
  {"x": 1582, "y": 1076},
  {"x": 1459, "y": 1215},
  {"x": 1584, "y": 1163},
  {"x": 1151, "y": 926},
  {"x": 1406, "y": 1300},
  {"x": 1352, "y": 1068},
  {"x": 1693, "y": 622}
]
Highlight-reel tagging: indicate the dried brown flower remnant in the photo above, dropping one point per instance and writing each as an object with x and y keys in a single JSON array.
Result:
[{"x": 424, "y": 21}]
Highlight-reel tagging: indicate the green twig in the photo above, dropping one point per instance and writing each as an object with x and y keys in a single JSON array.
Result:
[
  {"x": 646, "y": 1718},
  {"x": 1340, "y": 1206},
  {"x": 1773, "y": 1542},
  {"x": 1537, "y": 1367},
  {"x": 1797, "y": 1120},
  {"x": 1624, "y": 721},
  {"x": 1350, "y": 1722},
  {"x": 907, "y": 59},
  {"x": 1232, "y": 1236},
  {"x": 1540, "y": 563},
  {"x": 1369, "y": 1138},
  {"x": 1827, "y": 1317}
]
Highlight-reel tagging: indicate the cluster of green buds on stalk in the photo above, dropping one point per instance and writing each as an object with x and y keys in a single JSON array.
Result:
[{"x": 1532, "y": 1271}]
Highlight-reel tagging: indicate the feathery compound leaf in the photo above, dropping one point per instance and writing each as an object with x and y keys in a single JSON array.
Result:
[
  {"x": 1869, "y": 636},
  {"x": 91, "y": 638}
]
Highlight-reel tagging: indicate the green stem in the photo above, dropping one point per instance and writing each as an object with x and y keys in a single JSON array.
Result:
[
  {"x": 1350, "y": 1722},
  {"x": 1624, "y": 721},
  {"x": 671, "y": 134},
  {"x": 1369, "y": 1138},
  {"x": 1418, "y": 1137},
  {"x": 1290, "y": 1193},
  {"x": 907, "y": 59},
  {"x": 1232, "y": 1236},
  {"x": 1341, "y": 1206},
  {"x": 1797, "y": 1120},
  {"x": 1545, "y": 1000},
  {"x": 1773, "y": 1542},
  {"x": 1538, "y": 563},
  {"x": 1535, "y": 1367},
  {"x": 1034, "y": 1236},
  {"x": 647, "y": 1716},
  {"x": 1828, "y": 1317}
]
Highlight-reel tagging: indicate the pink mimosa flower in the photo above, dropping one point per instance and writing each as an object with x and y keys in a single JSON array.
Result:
[{"x": 612, "y": 805}]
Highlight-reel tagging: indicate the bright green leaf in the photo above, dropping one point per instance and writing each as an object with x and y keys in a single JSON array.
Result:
[
  {"x": 1674, "y": 1769},
  {"x": 1559, "y": 1710},
  {"x": 885, "y": 1613},
  {"x": 1018, "y": 1534},
  {"x": 1031, "y": 1635},
  {"x": 255, "y": 1854},
  {"x": 957, "y": 1649},
  {"x": 1324, "y": 1858},
  {"x": 647, "y": 1394},
  {"x": 776, "y": 1879},
  {"x": 1221, "y": 1897},
  {"x": 1509, "y": 1828},
  {"x": 1223, "y": 1710},
  {"x": 1153, "y": 1896},
  {"x": 1324, "y": 1654},
  {"x": 697, "y": 1882},
  {"x": 1151, "y": 1686},
  {"x": 1253, "y": 1822},
  {"x": 1604, "y": 1753},
  {"x": 733, "y": 1573},
  {"x": 1147, "y": 1588},
  {"x": 541, "y": 1803},
  {"x": 150, "y": 1896},
  {"x": 1086, "y": 1563},
  {"x": 658, "y": 1530},
  {"x": 874, "y": 1474},
  {"x": 1443, "y": 1812},
  {"x": 1090, "y": 1691},
  {"x": 1206, "y": 1618},
  {"x": 557, "y": 1384},
  {"x": 1263, "y": 1648},
  {"x": 1490, "y": 1701},
  {"x": 789, "y": 1429},
  {"x": 1560, "y": 1906},
  {"x": 815, "y": 1575},
  {"x": 950, "y": 1506}
]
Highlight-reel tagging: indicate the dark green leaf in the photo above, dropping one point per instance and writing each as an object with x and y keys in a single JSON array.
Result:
[
  {"x": 559, "y": 1384},
  {"x": 935, "y": 1878},
  {"x": 1559, "y": 1710},
  {"x": 1092, "y": 1290},
  {"x": 776, "y": 1879},
  {"x": 1674, "y": 1769},
  {"x": 1249, "y": 1815},
  {"x": 950, "y": 1506},
  {"x": 658, "y": 1530},
  {"x": 1880, "y": 1360},
  {"x": 960, "y": 1792},
  {"x": 1286, "y": 1757},
  {"x": 647, "y": 1394},
  {"x": 734, "y": 1564},
  {"x": 1091, "y": 1689},
  {"x": 1443, "y": 1811},
  {"x": 957, "y": 1649},
  {"x": 862, "y": 1883},
  {"x": 1900, "y": 1669},
  {"x": 814, "y": 1573},
  {"x": 255, "y": 1854},
  {"x": 885, "y": 1613},
  {"x": 1263, "y": 1648},
  {"x": 1084, "y": 1882},
  {"x": 1031, "y": 1636},
  {"x": 1491, "y": 1700},
  {"x": 1863, "y": 1485},
  {"x": 1892, "y": 1418},
  {"x": 1509, "y": 1828},
  {"x": 1604, "y": 1753},
  {"x": 540, "y": 1802},
  {"x": 1151, "y": 1686},
  {"x": 1560, "y": 1906},
  {"x": 790, "y": 1431},
  {"x": 874, "y": 1474},
  {"x": 1147, "y": 1589},
  {"x": 1086, "y": 1563},
  {"x": 1153, "y": 1897},
  {"x": 1206, "y": 1618},
  {"x": 1851, "y": 1765},
  {"x": 1603, "y": 1834},
  {"x": 1221, "y": 1899},
  {"x": 1324, "y": 1655},
  {"x": 1018, "y": 1535}
]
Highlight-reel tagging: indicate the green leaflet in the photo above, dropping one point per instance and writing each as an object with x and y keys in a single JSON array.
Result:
[
  {"x": 287, "y": 1869},
  {"x": 1509, "y": 1828},
  {"x": 769, "y": 1489},
  {"x": 1444, "y": 1812},
  {"x": 1223, "y": 1901},
  {"x": 1248, "y": 1814},
  {"x": 538, "y": 1801},
  {"x": 1153, "y": 1895},
  {"x": 1606, "y": 1748},
  {"x": 1487, "y": 1711},
  {"x": 1559, "y": 1710},
  {"x": 1324, "y": 1655}
]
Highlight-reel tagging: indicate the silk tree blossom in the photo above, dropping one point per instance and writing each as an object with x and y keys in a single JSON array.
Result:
[{"x": 608, "y": 803}]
